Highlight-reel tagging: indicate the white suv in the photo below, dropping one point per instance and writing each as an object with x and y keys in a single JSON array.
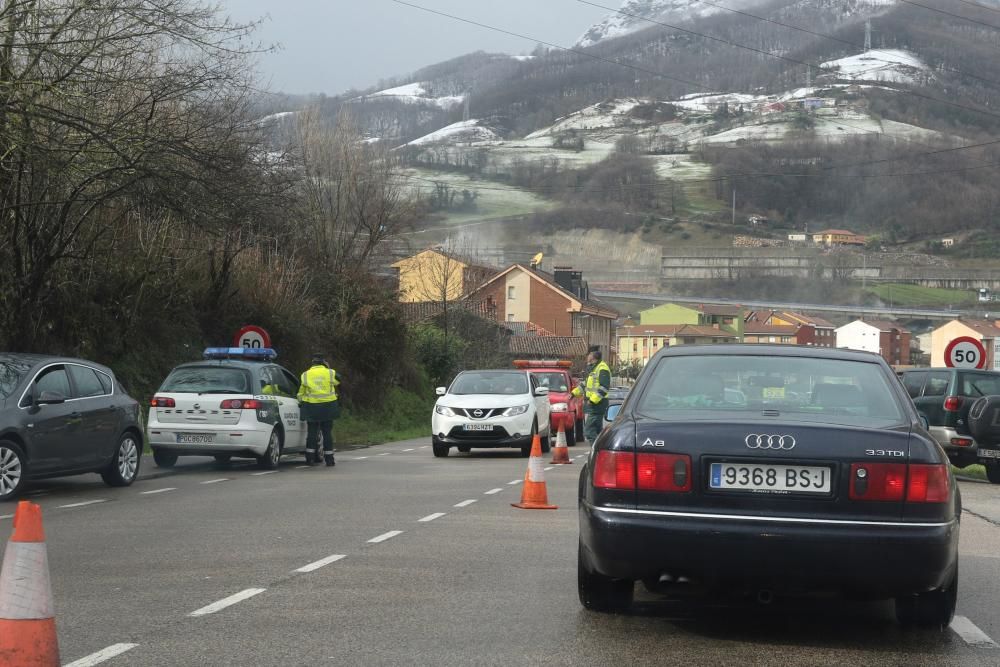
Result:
[{"x": 502, "y": 408}]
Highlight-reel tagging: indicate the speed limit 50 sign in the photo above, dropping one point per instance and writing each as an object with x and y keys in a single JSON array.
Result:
[
  {"x": 252, "y": 336},
  {"x": 965, "y": 352}
]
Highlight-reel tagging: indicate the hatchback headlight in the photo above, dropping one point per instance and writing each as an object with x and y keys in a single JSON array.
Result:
[
  {"x": 444, "y": 410},
  {"x": 560, "y": 407},
  {"x": 515, "y": 411}
]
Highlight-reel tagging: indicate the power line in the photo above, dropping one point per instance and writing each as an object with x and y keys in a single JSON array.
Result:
[
  {"x": 957, "y": 16},
  {"x": 979, "y": 6}
]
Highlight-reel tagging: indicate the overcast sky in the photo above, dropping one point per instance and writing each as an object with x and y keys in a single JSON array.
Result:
[{"x": 329, "y": 46}]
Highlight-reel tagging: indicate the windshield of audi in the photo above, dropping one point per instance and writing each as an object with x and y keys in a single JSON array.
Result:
[
  {"x": 833, "y": 391},
  {"x": 490, "y": 382}
]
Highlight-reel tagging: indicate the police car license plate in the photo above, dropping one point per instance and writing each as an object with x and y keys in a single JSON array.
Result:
[
  {"x": 195, "y": 438},
  {"x": 478, "y": 427},
  {"x": 989, "y": 453},
  {"x": 765, "y": 478}
]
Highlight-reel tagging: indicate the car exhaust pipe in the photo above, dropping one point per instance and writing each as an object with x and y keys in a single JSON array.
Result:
[{"x": 765, "y": 596}]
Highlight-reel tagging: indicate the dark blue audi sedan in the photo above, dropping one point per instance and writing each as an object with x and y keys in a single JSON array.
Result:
[{"x": 770, "y": 470}]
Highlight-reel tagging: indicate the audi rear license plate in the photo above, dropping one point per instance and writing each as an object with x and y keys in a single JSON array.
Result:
[
  {"x": 478, "y": 427},
  {"x": 766, "y": 478},
  {"x": 195, "y": 438}
]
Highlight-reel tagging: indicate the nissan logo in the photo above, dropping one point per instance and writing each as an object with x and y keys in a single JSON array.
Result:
[
  {"x": 477, "y": 413},
  {"x": 764, "y": 441}
]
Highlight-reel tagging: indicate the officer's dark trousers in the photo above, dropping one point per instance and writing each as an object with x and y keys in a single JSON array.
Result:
[{"x": 313, "y": 433}]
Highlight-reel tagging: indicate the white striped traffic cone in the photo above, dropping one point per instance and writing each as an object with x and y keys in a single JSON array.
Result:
[
  {"x": 560, "y": 454},
  {"x": 534, "y": 495}
]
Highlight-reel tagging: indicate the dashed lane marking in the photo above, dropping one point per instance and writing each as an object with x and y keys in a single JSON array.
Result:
[
  {"x": 971, "y": 634},
  {"x": 425, "y": 447},
  {"x": 227, "y": 602},
  {"x": 83, "y": 504},
  {"x": 155, "y": 491},
  {"x": 385, "y": 536},
  {"x": 549, "y": 468},
  {"x": 301, "y": 467},
  {"x": 360, "y": 458},
  {"x": 322, "y": 562},
  {"x": 431, "y": 517},
  {"x": 216, "y": 481},
  {"x": 513, "y": 482},
  {"x": 103, "y": 655},
  {"x": 465, "y": 503},
  {"x": 266, "y": 472},
  {"x": 492, "y": 492},
  {"x": 408, "y": 450},
  {"x": 385, "y": 453}
]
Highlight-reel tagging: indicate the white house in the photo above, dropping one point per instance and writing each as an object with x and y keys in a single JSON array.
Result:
[{"x": 859, "y": 335}]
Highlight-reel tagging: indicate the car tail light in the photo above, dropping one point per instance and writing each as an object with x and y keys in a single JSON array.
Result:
[
  {"x": 614, "y": 470},
  {"x": 878, "y": 481},
  {"x": 962, "y": 442},
  {"x": 241, "y": 404},
  {"x": 953, "y": 403},
  {"x": 928, "y": 484},
  {"x": 664, "y": 472},
  {"x": 162, "y": 402}
]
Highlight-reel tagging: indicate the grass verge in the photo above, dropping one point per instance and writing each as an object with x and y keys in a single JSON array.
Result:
[
  {"x": 404, "y": 416},
  {"x": 974, "y": 471}
]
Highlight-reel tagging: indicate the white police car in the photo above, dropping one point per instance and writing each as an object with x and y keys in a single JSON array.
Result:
[
  {"x": 235, "y": 403},
  {"x": 494, "y": 408}
]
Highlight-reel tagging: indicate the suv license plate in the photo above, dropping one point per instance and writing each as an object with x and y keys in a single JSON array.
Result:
[
  {"x": 770, "y": 478},
  {"x": 478, "y": 427},
  {"x": 195, "y": 438},
  {"x": 989, "y": 453}
]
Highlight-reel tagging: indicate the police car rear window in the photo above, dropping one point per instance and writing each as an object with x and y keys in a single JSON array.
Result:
[{"x": 207, "y": 380}]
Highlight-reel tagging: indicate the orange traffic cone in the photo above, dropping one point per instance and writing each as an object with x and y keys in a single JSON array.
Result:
[
  {"x": 27, "y": 620},
  {"x": 560, "y": 454},
  {"x": 533, "y": 494}
]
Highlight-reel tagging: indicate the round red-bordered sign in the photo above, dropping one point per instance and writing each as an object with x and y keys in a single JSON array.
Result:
[
  {"x": 965, "y": 352},
  {"x": 252, "y": 336}
]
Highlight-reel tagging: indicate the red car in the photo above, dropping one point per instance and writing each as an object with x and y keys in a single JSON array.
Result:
[{"x": 567, "y": 410}]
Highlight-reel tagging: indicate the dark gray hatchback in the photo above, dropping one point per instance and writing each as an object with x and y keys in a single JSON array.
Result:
[
  {"x": 767, "y": 470},
  {"x": 62, "y": 416}
]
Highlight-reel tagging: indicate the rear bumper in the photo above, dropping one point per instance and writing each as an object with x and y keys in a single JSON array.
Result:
[
  {"x": 959, "y": 456},
  {"x": 871, "y": 559},
  {"x": 224, "y": 440}
]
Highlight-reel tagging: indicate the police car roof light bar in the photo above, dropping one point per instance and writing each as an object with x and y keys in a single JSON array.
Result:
[{"x": 248, "y": 353}]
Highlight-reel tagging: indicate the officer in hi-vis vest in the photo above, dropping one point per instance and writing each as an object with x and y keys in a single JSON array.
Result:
[
  {"x": 319, "y": 407},
  {"x": 595, "y": 394}
]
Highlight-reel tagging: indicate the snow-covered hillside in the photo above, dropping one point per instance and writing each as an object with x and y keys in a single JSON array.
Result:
[
  {"x": 889, "y": 65},
  {"x": 415, "y": 93},
  {"x": 466, "y": 132}
]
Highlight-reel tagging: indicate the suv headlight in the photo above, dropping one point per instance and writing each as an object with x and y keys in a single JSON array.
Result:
[
  {"x": 444, "y": 410},
  {"x": 560, "y": 407},
  {"x": 515, "y": 411}
]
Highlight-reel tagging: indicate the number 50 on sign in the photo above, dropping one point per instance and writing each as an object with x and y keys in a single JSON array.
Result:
[{"x": 965, "y": 352}]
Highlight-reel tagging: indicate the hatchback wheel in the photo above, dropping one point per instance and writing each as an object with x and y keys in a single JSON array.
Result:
[
  {"x": 440, "y": 451},
  {"x": 124, "y": 467},
  {"x": 164, "y": 459},
  {"x": 993, "y": 473},
  {"x": 600, "y": 593},
  {"x": 271, "y": 457},
  {"x": 933, "y": 610},
  {"x": 12, "y": 470}
]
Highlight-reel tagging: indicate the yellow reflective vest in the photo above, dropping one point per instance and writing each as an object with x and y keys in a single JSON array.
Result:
[
  {"x": 318, "y": 385},
  {"x": 595, "y": 391}
]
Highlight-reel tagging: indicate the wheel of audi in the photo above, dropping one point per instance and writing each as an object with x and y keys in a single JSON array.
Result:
[
  {"x": 600, "y": 593},
  {"x": 271, "y": 457},
  {"x": 124, "y": 467},
  {"x": 12, "y": 470},
  {"x": 932, "y": 610}
]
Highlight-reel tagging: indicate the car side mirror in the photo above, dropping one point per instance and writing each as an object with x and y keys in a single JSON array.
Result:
[
  {"x": 541, "y": 391},
  {"x": 926, "y": 422},
  {"x": 612, "y": 412},
  {"x": 441, "y": 391},
  {"x": 50, "y": 398}
]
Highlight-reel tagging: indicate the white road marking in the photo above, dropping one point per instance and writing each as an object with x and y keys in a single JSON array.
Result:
[
  {"x": 7, "y": 516},
  {"x": 465, "y": 503},
  {"x": 104, "y": 654},
  {"x": 408, "y": 450},
  {"x": 227, "y": 602},
  {"x": 972, "y": 635},
  {"x": 360, "y": 458},
  {"x": 425, "y": 447},
  {"x": 385, "y": 453},
  {"x": 301, "y": 467},
  {"x": 320, "y": 563},
  {"x": 549, "y": 468},
  {"x": 385, "y": 536},
  {"x": 492, "y": 491},
  {"x": 163, "y": 490},
  {"x": 216, "y": 481},
  {"x": 512, "y": 483},
  {"x": 266, "y": 472},
  {"x": 83, "y": 504},
  {"x": 431, "y": 517}
]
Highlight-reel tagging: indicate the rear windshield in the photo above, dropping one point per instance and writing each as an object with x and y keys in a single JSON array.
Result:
[
  {"x": 554, "y": 381},
  {"x": 11, "y": 372},
  {"x": 490, "y": 383},
  {"x": 980, "y": 384},
  {"x": 816, "y": 390},
  {"x": 208, "y": 380}
]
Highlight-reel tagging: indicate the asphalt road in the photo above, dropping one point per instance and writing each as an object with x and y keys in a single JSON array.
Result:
[{"x": 467, "y": 580}]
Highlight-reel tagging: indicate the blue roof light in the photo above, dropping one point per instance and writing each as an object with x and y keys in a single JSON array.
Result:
[{"x": 248, "y": 353}]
